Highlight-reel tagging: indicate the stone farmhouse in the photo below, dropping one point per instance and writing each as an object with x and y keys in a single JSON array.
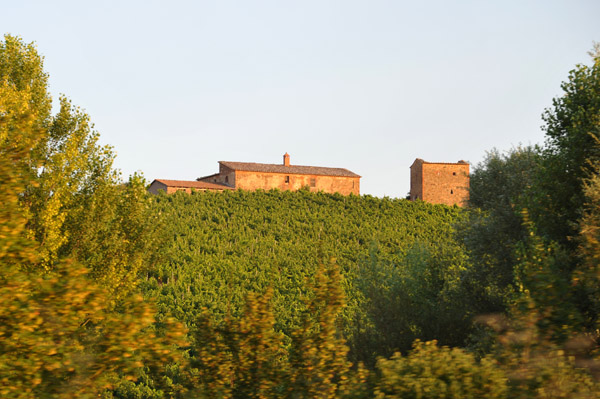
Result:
[
  {"x": 439, "y": 183},
  {"x": 285, "y": 176},
  {"x": 434, "y": 182},
  {"x": 172, "y": 186}
]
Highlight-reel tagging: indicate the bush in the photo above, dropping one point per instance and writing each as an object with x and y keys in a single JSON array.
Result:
[{"x": 430, "y": 371}]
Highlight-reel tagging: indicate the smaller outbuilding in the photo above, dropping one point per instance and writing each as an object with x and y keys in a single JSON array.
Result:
[{"x": 172, "y": 186}]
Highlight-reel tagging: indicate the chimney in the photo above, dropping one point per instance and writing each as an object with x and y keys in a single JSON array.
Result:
[{"x": 286, "y": 159}]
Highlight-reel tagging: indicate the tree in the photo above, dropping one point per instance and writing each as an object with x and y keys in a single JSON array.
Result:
[
  {"x": 244, "y": 358},
  {"x": 57, "y": 336},
  {"x": 413, "y": 298},
  {"x": 78, "y": 206},
  {"x": 22, "y": 67},
  {"x": 318, "y": 355},
  {"x": 501, "y": 188},
  {"x": 18, "y": 136},
  {"x": 587, "y": 277},
  {"x": 572, "y": 149}
]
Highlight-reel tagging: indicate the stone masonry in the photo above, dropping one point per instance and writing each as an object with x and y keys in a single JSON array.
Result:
[
  {"x": 285, "y": 176},
  {"x": 439, "y": 183},
  {"x": 172, "y": 186}
]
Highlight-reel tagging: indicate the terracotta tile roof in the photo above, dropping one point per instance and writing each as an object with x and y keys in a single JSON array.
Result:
[
  {"x": 292, "y": 169},
  {"x": 200, "y": 185}
]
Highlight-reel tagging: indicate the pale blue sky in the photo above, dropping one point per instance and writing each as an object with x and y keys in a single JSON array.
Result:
[{"x": 366, "y": 85}]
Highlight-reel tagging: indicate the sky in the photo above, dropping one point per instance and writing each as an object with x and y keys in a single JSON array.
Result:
[{"x": 176, "y": 86}]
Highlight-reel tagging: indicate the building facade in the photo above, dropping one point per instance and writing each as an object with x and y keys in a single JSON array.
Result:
[
  {"x": 439, "y": 183},
  {"x": 285, "y": 176},
  {"x": 172, "y": 186}
]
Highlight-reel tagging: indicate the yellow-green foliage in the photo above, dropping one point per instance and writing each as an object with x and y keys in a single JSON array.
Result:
[
  {"x": 535, "y": 365},
  {"x": 17, "y": 137},
  {"x": 58, "y": 340},
  {"x": 549, "y": 374},
  {"x": 243, "y": 358},
  {"x": 432, "y": 372},
  {"x": 59, "y": 336},
  {"x": 318, "y": 356},
  {"x": 73, "y": 241},
  {"x": 247, "y": 358},
  {"x": 76, "y": 204},
  {"x": 589, "y": 274}
]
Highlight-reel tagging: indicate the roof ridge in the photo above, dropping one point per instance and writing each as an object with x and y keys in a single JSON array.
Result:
[
  {"x": 278, "y": 164},
  {"x": 293, "y": 169}
]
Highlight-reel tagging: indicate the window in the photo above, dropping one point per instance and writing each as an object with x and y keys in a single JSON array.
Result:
[
  {"x": 451, "y": 191},
  {"x": 226, "y": 179},
  {"x": 313, "y": 182},
  {"x": 453, "y": 173},
  {"x": 287, "y": 179}
]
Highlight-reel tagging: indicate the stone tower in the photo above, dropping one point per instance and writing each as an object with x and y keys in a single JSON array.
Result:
[{"x": 439, "y": 183}]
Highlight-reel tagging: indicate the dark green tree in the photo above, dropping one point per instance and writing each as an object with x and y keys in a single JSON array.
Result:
[
  {"x": 571, "y": 150},
  {"x": 501, "y": 188},
  {"x": 415, "y": 298}
]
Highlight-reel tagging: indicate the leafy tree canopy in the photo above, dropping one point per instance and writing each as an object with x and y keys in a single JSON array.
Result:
[
  {"x": 572, "y": 149},
  {"x": 78, "y": 207}
]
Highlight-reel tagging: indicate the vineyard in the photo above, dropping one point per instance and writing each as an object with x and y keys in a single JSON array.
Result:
[{"x": 223, "y": 245}]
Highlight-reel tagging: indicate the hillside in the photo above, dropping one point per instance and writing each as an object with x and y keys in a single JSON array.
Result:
[{"x": 222, "y": 245}]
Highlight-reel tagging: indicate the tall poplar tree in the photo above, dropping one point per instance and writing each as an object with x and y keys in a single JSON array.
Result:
[
  {"x": 58, "y": 337},
  {"x": 79, "y": 207}
]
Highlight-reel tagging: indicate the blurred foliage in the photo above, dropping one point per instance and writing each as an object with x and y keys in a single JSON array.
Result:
[
  {"x": 58, "y": 340},
  {"x": 60, "y": 334},
  {"x": 318, "y": 354},
  {"x": 248, "y": 358},
  {"x": 432, "y": 372},
  {"x": 240, "y": 358},
  {"x": 587, "y": 276},
  {"x": 77, "y": 206}
]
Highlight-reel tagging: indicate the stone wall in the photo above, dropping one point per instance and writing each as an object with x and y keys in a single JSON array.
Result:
[
  {"x": 445, "y": 183},
  {"x": 266, "y": 181},
  {"x": 156, "y": 186},
  {"x": 416, "y": 180},
  {"x": 225, "y": 176}
]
